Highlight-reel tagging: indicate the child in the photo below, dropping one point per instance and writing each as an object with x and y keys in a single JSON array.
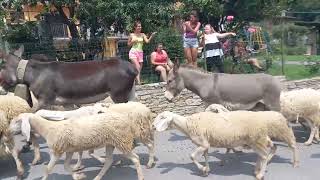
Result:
[{"x": 213, "y": 47}]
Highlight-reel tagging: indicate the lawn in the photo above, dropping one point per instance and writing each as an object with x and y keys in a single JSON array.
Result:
[
  {"x": 295, "y": 57},
  {"x": 292, "y": 72}
]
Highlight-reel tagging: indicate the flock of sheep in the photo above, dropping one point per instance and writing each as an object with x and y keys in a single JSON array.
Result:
[{"x": 119, "y": 126}]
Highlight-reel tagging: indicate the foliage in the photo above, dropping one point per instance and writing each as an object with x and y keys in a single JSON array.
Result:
[
  {"x": 122, "y": 13},
  {"x": 172, "y": 43},
  {"x": 21, "y": 33}
]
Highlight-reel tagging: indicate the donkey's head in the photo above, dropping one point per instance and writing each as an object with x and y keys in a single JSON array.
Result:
[
  {"x": 175, "y": 82},
  {"x": 8, "y": 76}
]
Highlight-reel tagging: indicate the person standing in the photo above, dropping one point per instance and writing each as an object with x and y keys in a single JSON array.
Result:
[
  {"x": 213, "y": 48},
  {"x": 190, "y": 40},
  {"x": 136, "y": 41}
]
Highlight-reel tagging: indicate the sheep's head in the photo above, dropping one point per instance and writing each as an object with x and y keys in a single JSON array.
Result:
[
  {"x": 101, "y": 107},
  {"x": 163, "y": 120},
  {"x": 216, "y": 108},
  {"x": 21, "y": 124}
]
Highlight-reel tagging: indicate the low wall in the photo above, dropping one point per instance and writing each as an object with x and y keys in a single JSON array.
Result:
[{"x": 188, "y": 103}]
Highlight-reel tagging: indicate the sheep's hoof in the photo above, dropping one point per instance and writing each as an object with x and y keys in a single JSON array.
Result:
[
  {"x": 259, "y": 177},
  {"x": 35, "y": 162},
  {"x": 205, "y": 171},
  {"x": 78, "y": 176},
  {"x": 77, "y": 168},
  {"x": 150, "y": 165},
  {"x": 295, "y": 164},
  {"x": 25, "y": 149},
  {"x": 117, "y": 163},
  {"x": 307, "y": 143}
]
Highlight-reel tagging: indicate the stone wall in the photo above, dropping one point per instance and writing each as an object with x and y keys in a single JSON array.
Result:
[{"x": 188, "y": 103}]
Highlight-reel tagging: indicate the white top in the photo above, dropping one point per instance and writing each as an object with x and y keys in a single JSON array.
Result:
[{"x": 212, "y": 44}]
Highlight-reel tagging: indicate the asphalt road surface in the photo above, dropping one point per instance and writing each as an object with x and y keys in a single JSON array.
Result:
[{"x": 173, "y": 163}]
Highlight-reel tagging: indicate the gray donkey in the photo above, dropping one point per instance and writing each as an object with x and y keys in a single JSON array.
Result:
[{"x": 234, "y": 91}]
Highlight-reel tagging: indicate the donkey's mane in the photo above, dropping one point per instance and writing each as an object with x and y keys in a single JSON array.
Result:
[{"x": 195, "y": 69}]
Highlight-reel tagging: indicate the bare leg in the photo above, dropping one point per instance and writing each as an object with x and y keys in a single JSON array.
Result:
[
  {"x": 188, "y": 56},
  {"x": 107, "y": 163},
  {"x": 194, "y": 54},
  {"x": 163, "y": 72},
  {"x": 53, "y": 160},
  {"x": 137, "y": 65},
  {"x": 151, "y": 162},
  {"x": 135, "y": 159}
]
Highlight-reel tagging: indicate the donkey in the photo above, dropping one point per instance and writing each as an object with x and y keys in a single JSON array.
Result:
[
  {"x": 234, "y": 91},
  {"x": 62, "y": 83}
]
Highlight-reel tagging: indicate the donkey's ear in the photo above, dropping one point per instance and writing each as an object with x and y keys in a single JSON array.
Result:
[{"x": 19, "y": 51}]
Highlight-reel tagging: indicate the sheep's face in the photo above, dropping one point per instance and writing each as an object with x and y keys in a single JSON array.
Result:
[
  {"x": 163, "y": 121},
  {"x": 100, "y": 108}
]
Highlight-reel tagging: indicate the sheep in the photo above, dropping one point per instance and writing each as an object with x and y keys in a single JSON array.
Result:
[
  {"x": 139, "y": 112},
  {"x": 282, "y": 133},
  {"x": 110, "y": 130},
  {"x": 239, "y": 128},
  {"x": 11, "y": 106},
  {"x": 303, "y": 103}
]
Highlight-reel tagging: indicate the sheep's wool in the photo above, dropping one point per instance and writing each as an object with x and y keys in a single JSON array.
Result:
[{"x": 303, "y": 103}]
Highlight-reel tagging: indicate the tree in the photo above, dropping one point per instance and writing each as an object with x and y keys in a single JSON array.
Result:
[{"x": 71, "y": 5}]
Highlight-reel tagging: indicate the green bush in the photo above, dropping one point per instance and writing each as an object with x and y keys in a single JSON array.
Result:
[
  {"x": 297, "y": 50},
  {"x": 172, "y": 42}
]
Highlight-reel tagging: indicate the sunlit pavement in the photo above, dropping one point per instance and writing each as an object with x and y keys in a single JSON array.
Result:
[{"x": 173, "y": 163}]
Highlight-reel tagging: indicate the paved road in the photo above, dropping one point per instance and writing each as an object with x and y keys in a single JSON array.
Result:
[{"x": 173, "y": 163}]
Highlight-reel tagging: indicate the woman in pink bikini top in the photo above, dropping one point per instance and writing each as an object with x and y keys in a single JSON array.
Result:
[{"x": 161, "y": 62}]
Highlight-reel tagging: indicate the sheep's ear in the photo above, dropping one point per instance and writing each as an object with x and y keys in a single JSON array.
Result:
[
  {"x": 161, "y": 122},
  {"x": 25, "y": 127}
]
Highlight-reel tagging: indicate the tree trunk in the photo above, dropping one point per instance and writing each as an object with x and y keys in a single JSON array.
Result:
[{"x": 72, "y": 26}]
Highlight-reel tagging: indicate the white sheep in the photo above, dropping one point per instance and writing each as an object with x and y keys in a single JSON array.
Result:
[
  {"x": 109, "y": 130},
  {"x": 303, "y": 103},
  {"x": 282, "y": 133},
  {"x": 235, "y": 129},
  {"x": 11, "y": 106},
  {"x": 138, "y": 112}
]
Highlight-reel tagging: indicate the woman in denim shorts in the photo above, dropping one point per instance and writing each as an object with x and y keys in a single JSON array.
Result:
[{"x": 190, "y": 40}]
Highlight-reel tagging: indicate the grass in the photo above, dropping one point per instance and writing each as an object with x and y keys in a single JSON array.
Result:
[
  {"x": 295, "y": 58},
  {"x": 293, "y": 72}
]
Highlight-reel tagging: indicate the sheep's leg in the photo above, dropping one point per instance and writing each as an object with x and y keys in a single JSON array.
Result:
[
  {"x": 292, "y": 145},
  {"x": 67, "y": 167},
  {"x": 206, "y": 168},
  {"x": 272, "y": 151},
  {"x": 78, "y": 166},
  {"x": 36, "y": 150},
  {"x": 100, "y": 159},
  {"x": 151, "y": 161},
  {"x": 312, "y": 133},
  {"x": 223, "y": 161},
  {"x": 135, "y": 159},
  {"x": 20, "y": 168},
  {"x": 53, "y": 160},
  {"x": 317, "y": 135},
  {"x": 107, "y": 163},
  {"x": 261, "y": 149},
  {"x": 199, "y": 150}
]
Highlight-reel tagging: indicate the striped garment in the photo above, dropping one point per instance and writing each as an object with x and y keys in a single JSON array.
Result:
[{"x": 213, "y": 46}]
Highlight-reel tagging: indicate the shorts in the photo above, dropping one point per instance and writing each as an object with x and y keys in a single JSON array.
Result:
[
  {"x": 190, "y": 43},
  {"x": 138, "y": 55}
]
